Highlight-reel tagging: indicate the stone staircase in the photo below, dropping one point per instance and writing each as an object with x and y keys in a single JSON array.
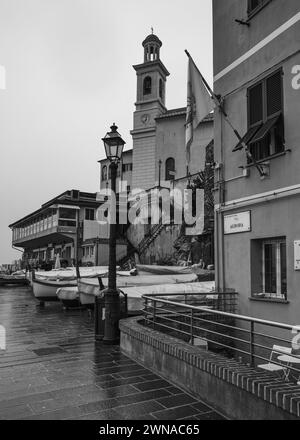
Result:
[{"x": 128, "y": 261}]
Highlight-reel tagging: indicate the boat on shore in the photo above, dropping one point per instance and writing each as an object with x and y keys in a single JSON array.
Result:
[
  {"x": 88, "y": 288},
  {"x": 17, "y": 278},
  {"x": 45, "y": 284},
  {"x": 135, "y": 301},
  {"x": 45, "y": 290},
  {"x": 69, "y": 296},
  {"x": 164, "y": 270}
]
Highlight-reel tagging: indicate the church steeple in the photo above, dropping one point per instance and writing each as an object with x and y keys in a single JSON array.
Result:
[
  {"x": 152, "y": 74},
  {"x": 150, "y": 103},
  {"x": 152, "y": 45}
]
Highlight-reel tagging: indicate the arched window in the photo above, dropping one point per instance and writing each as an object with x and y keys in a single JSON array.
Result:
[
  {"x": 161, "y": 89},
  {"x": 104, "y": 172},
  {"x": 147, "y": 85},
  {"x": 170, "y": 169}
]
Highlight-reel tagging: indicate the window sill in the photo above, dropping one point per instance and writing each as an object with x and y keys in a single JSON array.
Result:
[
  {"x": 266, "y": 159},
  {"x": 269, "y": 300}
]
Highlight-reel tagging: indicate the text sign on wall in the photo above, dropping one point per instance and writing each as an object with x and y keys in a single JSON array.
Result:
[
  {"x": 237, "y": 223},
  {"x": 297, "y": 255}
]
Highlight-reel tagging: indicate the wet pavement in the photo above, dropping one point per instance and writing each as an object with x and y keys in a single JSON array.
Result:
[{"x": 52, "y": 369}]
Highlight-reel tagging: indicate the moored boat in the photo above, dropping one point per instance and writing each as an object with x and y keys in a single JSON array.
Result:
[
  {"x": 16, "y": 278},
  {"x": 69, "y": 296},
  {"x": 88, "y": 288},
  {"x": 45, "y": 290},
  {"x": 135, "y": 294},
  {"x": 164, "y": 270}
]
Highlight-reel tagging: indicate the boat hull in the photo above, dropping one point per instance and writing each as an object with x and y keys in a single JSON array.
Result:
[
  {"x": 12, "y": 281},
  {"x": 46, "y": 290},
  {"x": 69, "y": 297}
]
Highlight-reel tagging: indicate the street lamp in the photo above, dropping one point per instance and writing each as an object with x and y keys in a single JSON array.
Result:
[{"x": 113, "y": 144}]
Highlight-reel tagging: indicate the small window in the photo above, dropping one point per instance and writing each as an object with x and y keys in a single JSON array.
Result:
[
  {"x": 271, "y": 255},
  {"x": 104, "y": 172},
  {"x": 147, "y": 89},
  {"x": 170, "y": 169},
  {"x": 89, "y": 214},
  {"x": 126, "y": 167}
]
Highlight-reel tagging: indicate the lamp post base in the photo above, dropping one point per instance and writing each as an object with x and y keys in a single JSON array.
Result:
[{"x": 112, "y": 317}]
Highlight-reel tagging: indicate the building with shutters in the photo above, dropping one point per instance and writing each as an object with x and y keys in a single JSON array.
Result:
[{"x": 257, "y": 228}]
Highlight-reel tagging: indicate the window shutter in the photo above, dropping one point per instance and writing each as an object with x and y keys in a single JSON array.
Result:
[
  {"x": 255, "y": 105},
  {"x": 253, "y": 4},
  {"x": 274, "y": 94}
]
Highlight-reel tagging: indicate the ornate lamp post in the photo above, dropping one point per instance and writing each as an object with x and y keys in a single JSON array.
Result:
[{"x": 113, "y": 144}]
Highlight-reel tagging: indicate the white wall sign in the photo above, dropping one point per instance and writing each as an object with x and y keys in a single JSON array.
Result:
[
  {"x": 237, "y": 223},
  {"x": 297, "y": 255}
]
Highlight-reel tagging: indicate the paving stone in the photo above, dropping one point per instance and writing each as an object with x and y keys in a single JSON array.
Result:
[
  {"x": 152, "y": 385},
  {"x": 175, "y": 413},
  {"x": 172, "y": 402},
  {"x": 54, "y": 370}
]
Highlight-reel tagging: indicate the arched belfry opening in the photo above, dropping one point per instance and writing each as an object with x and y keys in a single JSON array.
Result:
[
  {"x": 152, "y": 45},
  {"x": 147, "y": 86}
]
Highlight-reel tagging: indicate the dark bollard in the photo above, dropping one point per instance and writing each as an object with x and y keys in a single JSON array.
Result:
[{"x": 99, "y": 313}]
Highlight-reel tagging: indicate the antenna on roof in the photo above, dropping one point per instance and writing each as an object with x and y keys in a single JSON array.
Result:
[{"x": 152, "y": 30}]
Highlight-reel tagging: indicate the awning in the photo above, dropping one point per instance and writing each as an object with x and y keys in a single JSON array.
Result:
[
  {"x": 247, "y": 138},
  {"x": 265, "y": 129}
]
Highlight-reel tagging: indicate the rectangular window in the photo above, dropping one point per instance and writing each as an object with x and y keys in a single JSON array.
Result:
[
  {"x": 126, "y": 167},
  {"x": 265, "y": 136},
  {"x": 89, "y": 214},
  {"x": 271, "y": 254}
]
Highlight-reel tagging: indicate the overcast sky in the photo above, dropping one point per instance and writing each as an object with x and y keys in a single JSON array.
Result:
[{"x": 69, "y": 75}]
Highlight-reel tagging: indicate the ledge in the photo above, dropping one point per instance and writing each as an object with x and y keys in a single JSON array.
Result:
[
  {"x": 270, "y": 300},
  {"x": 239, "y": 391},
  {"x": 266, "y": 159}
]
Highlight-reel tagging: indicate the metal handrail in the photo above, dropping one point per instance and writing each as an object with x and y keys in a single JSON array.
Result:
[
  {"x": 218, "y": 312},
  {"x": 190, "y": 321}
]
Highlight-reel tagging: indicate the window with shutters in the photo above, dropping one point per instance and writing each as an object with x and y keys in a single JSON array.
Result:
[
  {"x": 255, "y": 5},
  {"x": 265, "y": 135}
]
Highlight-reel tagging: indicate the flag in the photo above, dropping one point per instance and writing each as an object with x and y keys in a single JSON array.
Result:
[
  {"x": 2, "y": 77},
  {"x": 199, "y": 104}
]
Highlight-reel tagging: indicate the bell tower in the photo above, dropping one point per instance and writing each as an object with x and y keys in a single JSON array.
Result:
[{"x": 150, "y": 103}]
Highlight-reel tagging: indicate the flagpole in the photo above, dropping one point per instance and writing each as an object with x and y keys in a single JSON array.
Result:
[{"x": 218, "y": 102}]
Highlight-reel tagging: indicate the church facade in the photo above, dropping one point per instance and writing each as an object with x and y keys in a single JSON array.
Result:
[{"x": 158, "y": 154}]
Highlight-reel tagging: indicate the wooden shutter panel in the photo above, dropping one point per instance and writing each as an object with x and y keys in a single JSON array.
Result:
[
  {"x": 253, "y": 4},
  {"x": 255, "y": 104},
  {"x": 274, "y": 94}
]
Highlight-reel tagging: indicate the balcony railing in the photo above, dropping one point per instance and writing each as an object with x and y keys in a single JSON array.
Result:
[{"x": 211, "y": 317}]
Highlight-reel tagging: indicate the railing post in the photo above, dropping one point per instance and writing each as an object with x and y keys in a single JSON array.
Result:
[
  {"x": 192, "y": 326},
  {"x": 252, "y": 343},
  {"x": 146, "y": 311},
  {"x": 154, "y": 313}
]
